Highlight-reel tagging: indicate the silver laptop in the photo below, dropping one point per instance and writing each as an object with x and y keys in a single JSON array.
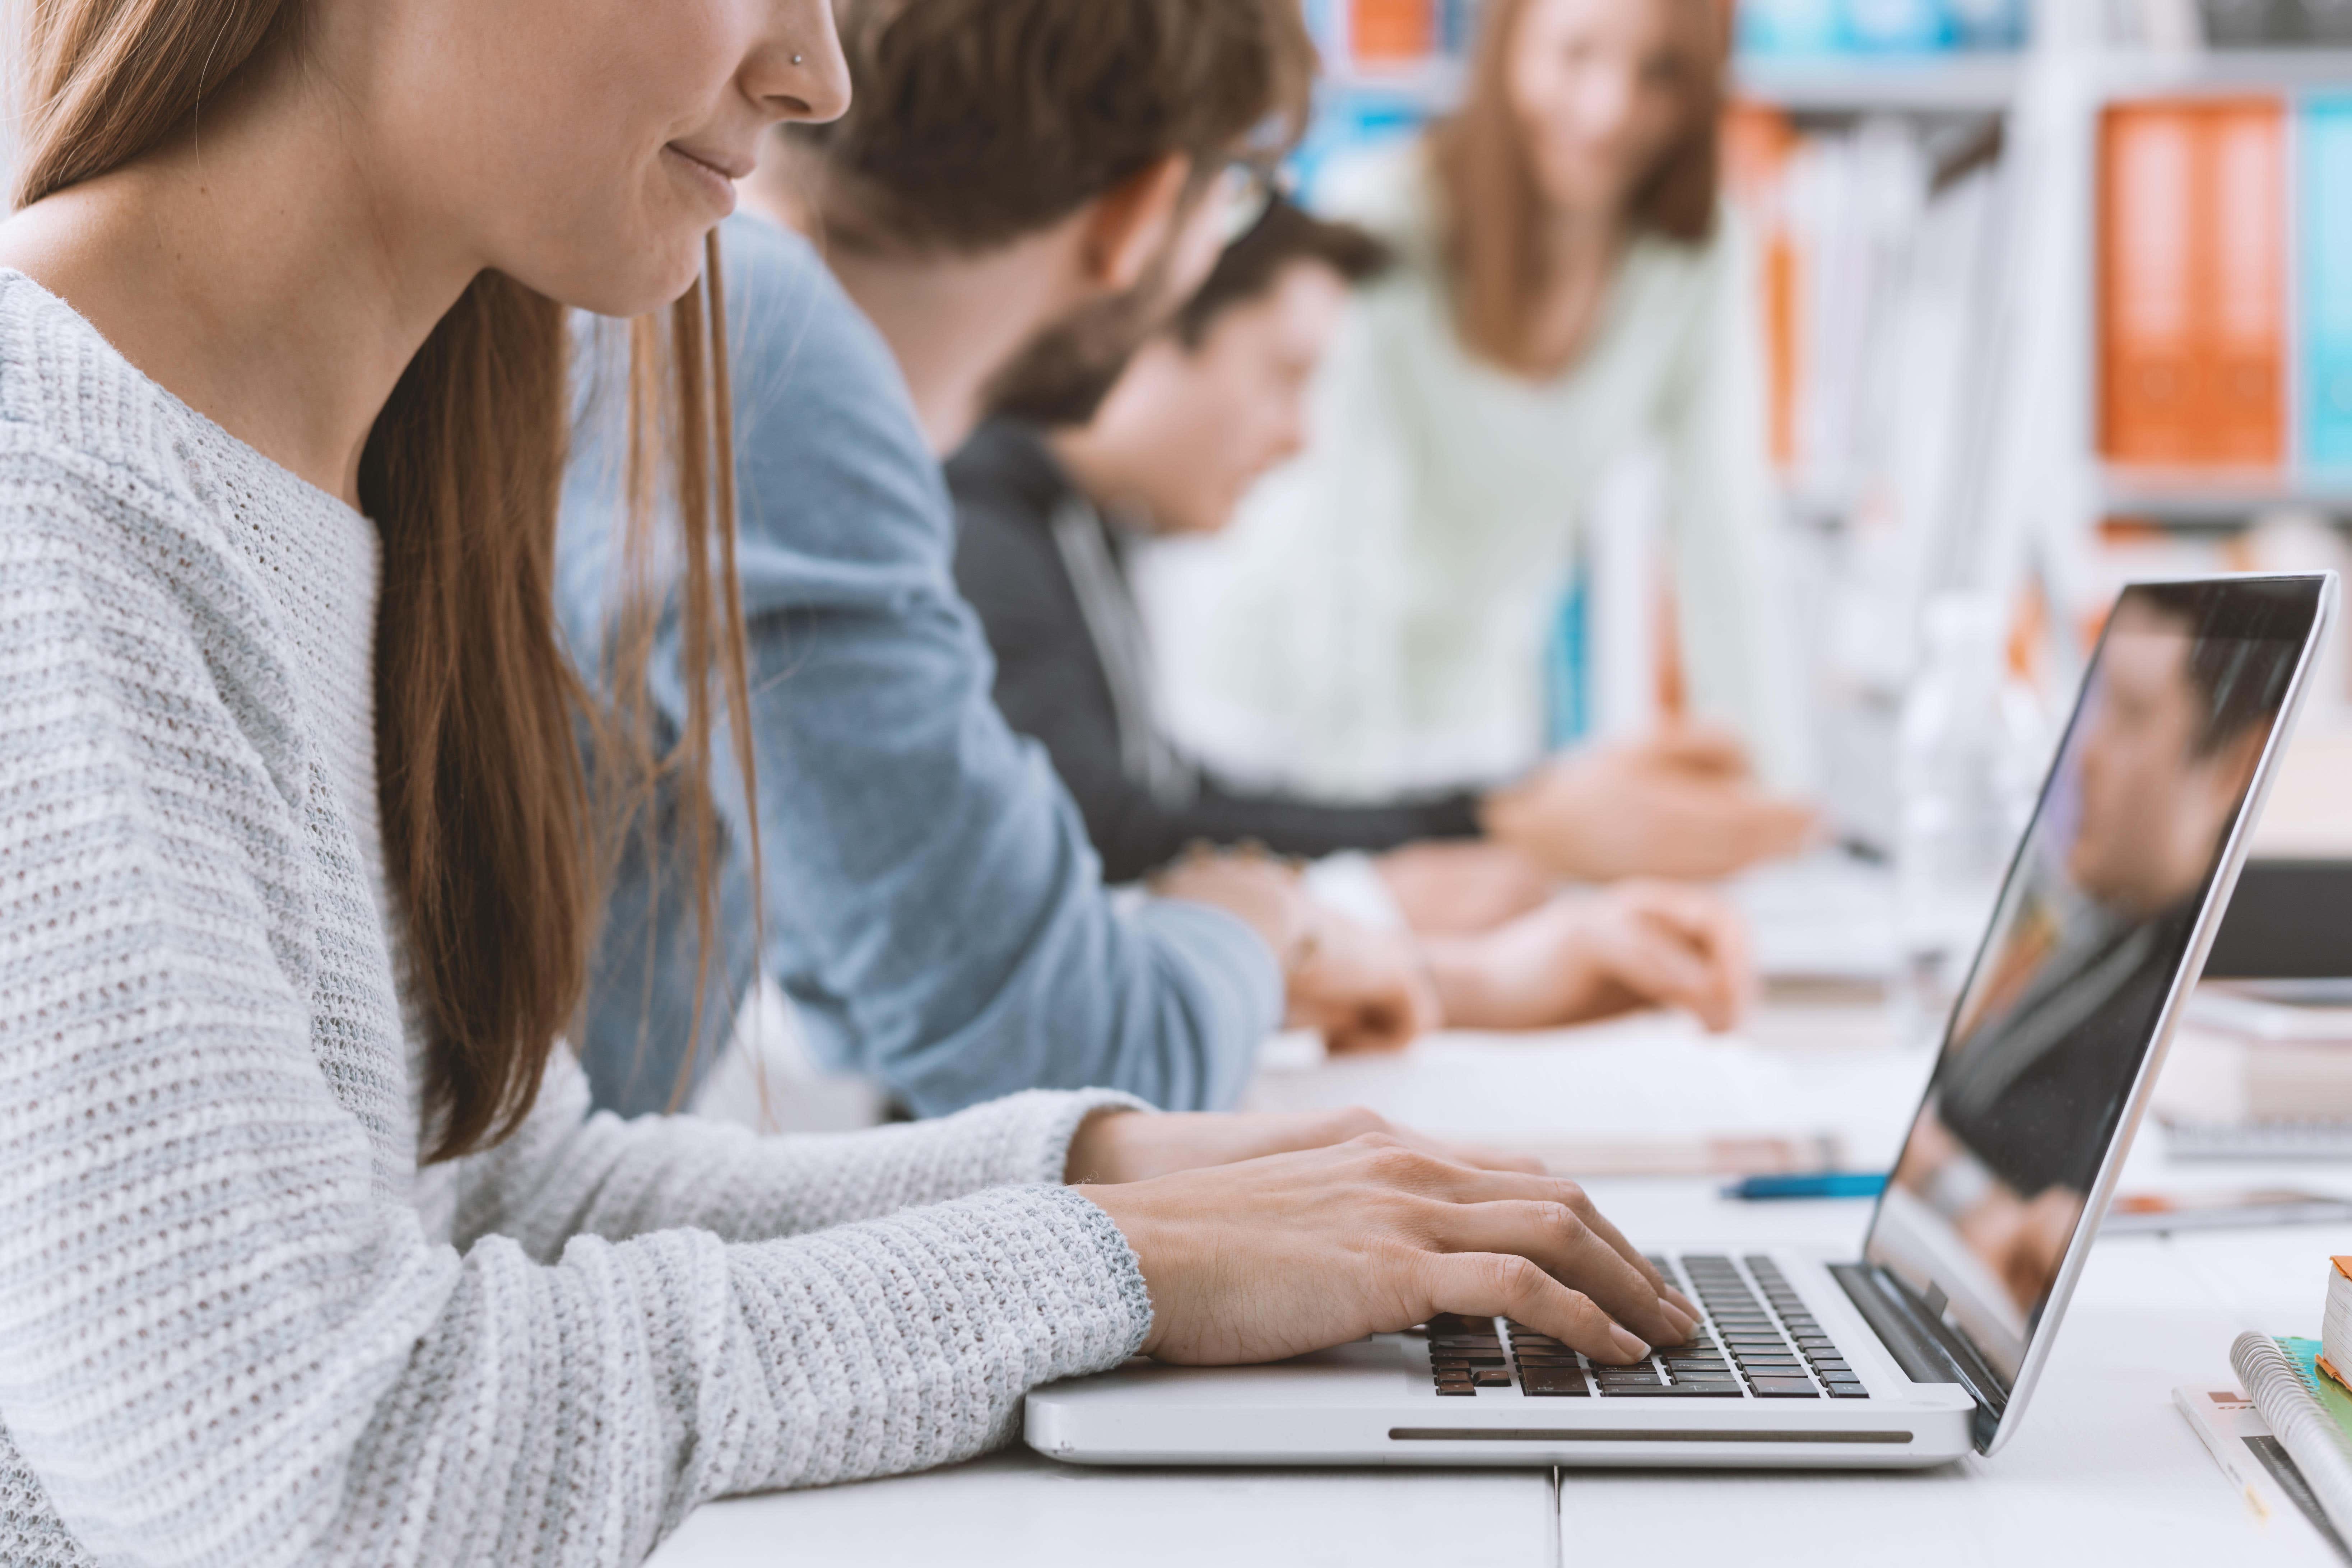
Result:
[{"x": 1928, "y": 1345}]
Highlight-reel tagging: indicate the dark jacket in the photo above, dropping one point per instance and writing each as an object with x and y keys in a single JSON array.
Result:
[{"x": 1047, "y": 574}]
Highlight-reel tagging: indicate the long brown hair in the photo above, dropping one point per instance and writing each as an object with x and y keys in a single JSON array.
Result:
[
  {"x": 492, "y": 848},
  {"x": 1490, "y": 206}
]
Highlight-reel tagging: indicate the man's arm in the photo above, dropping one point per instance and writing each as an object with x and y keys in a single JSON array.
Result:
[{"x": 931, "y": 901}]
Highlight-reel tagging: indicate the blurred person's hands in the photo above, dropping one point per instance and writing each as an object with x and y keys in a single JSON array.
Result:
[
  {"x": 1592, "y": 955},
  {"x": 1453, "y": 887},
  {"x": 1277, "y": 1256},
  {"x": 1134, "y": 1146},
  {"x": 1362, "y": 989},
  {"x": 1681, "y": 803}
]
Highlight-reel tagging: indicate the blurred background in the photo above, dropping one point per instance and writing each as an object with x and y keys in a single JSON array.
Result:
[{"x": 2052, "y": 294}]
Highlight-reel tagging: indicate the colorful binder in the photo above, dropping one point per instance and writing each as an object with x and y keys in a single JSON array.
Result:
[
  {"x": 2325, "y": 214},
  {"x": 2192, "y": 283},
  {"x": 1391, "y": 32}
]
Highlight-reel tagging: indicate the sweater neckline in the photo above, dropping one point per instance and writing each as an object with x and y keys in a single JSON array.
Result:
[{"x": 224, "y": 442}]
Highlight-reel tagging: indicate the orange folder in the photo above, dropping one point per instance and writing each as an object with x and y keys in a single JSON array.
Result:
[
  {"x": 2192, "y": 283},
  {"x": 2245, "y": 384},
  {"x": 1390, "y": 32},
  {"x": 1758, "y": 143}
]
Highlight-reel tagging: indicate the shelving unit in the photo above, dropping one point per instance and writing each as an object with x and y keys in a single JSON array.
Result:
[
  {"x": 2026, "y": 483},
  {"x": 1953, "y": 83},
  {"x": 2191, "y": 497}
]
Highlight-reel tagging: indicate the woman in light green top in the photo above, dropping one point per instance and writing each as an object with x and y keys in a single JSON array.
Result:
[{"x": 1570, "y": 292}]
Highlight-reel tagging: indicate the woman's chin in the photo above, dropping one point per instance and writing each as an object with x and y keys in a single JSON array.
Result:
[{"x": 641, "y": 291}]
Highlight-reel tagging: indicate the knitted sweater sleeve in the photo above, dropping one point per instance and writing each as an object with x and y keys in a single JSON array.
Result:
[
  {"x": 230, "y": 1338},
  {"x": 567, "y": 1172}
]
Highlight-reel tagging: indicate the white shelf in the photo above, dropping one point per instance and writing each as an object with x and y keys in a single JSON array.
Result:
[
  {"x": 1433, "y": 84},
  {"x": 2137, "y": 73},
  {"x": 1950, "y": 83},
  {"x": 1940, "y": 83},
  {"x": 2191, "y": 496},
  {"x": 1955, "y": 83}
]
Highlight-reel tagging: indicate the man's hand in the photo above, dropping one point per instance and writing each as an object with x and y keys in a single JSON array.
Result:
[
  {"x": 1681, "y": 804},
  {"x": 1362, "y": 989},
  {"x": 1454, "y": 887},
  {"x": 1587, "y": 956},
  {"x": 1135, "y": 1146}
]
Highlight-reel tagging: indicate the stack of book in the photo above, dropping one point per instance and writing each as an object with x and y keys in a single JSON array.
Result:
[
  {"x": 2285, "y": 1438},
  {"x": 2261, "y": 1070}
]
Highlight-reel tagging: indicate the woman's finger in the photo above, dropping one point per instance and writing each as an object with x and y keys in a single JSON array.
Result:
[
  {"x": 1465, "y": 1186},
  {"x": 1556, "y": 1236},
  {"x": 1499, "y": 1285},
  {"x": 1484, "y": 1159}
]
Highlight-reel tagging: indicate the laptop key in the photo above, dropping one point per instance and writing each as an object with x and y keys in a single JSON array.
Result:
[
  {"x": 1785, "y": 1388},
  {"x": 1556, "y": 1387}
]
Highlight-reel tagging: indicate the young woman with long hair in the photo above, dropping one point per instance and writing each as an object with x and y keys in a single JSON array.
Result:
[
  {"x": 1570, "y": 290},
  {"x": 314, "y": 1253}
]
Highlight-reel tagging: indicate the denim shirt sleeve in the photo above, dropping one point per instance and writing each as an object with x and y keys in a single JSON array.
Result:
[{"x": 931, "y": 903}]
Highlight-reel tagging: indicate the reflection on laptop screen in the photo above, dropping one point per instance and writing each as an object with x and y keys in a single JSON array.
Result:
[{"x": 2087, "y": 942}]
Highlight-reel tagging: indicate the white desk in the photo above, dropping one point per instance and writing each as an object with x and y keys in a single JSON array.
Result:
[{"x": 2104, "y": 1469}]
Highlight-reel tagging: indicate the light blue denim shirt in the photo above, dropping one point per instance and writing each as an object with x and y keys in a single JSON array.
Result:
[{"x": 932, "y": 905}]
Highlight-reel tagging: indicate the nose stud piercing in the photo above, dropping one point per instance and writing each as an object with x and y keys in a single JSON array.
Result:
[{"x": 796, "y": 59}]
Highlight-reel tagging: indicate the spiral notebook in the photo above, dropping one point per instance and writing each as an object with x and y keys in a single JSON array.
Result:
[{"x": 2284, "y": 1441}]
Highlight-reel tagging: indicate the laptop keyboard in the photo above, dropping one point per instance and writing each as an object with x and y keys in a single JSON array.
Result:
[{"x": 1758, "y": 1342}]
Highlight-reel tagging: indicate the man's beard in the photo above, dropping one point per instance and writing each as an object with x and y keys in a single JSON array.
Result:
[{"x": 1063, "y": 375}]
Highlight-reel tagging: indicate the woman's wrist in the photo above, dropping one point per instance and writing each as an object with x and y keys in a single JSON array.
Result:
[{"x": 1095, "y": 1154}]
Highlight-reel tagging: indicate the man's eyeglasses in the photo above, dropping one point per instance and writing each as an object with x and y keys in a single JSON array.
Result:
[{"x": 1245, "y": 188}]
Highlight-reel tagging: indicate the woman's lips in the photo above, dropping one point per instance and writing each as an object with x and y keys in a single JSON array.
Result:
[{"x": 715, "y": 177}]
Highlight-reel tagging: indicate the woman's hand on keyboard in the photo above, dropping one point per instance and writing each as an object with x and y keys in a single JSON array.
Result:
[
  {"x": 1275, "y": 1256},
  {"x": 1134, "y": 1146}
]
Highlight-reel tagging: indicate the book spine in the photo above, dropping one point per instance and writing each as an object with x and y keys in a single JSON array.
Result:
[
  {"x": 2326, "y": 216},
  {"x": 2146, "y": 283},
  {"x": 2314, "y": 1442},
  {"x": 1757, "y": 143},
  {"x": 2244, "y": 181}
]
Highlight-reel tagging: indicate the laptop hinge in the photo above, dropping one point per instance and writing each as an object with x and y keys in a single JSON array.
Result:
[{"x": 1921, "y": 1343}]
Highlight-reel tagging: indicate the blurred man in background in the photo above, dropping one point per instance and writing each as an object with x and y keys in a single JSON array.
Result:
[{"x": 1047, "y": 518}]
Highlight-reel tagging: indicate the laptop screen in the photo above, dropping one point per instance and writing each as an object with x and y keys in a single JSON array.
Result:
[{"x": 2101, "y": 909}]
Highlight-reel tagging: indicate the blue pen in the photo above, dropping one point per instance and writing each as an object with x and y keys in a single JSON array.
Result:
[{"x": 1819, "y": 1184}]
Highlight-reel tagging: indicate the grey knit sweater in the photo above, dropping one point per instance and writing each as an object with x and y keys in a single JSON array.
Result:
[{"x": 238, "y": 1324}]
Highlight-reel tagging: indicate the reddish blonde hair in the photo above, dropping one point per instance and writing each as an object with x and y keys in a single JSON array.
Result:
[
  {"x": 1490, "y": 206},
  {"x": 491, "y": 848}
]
